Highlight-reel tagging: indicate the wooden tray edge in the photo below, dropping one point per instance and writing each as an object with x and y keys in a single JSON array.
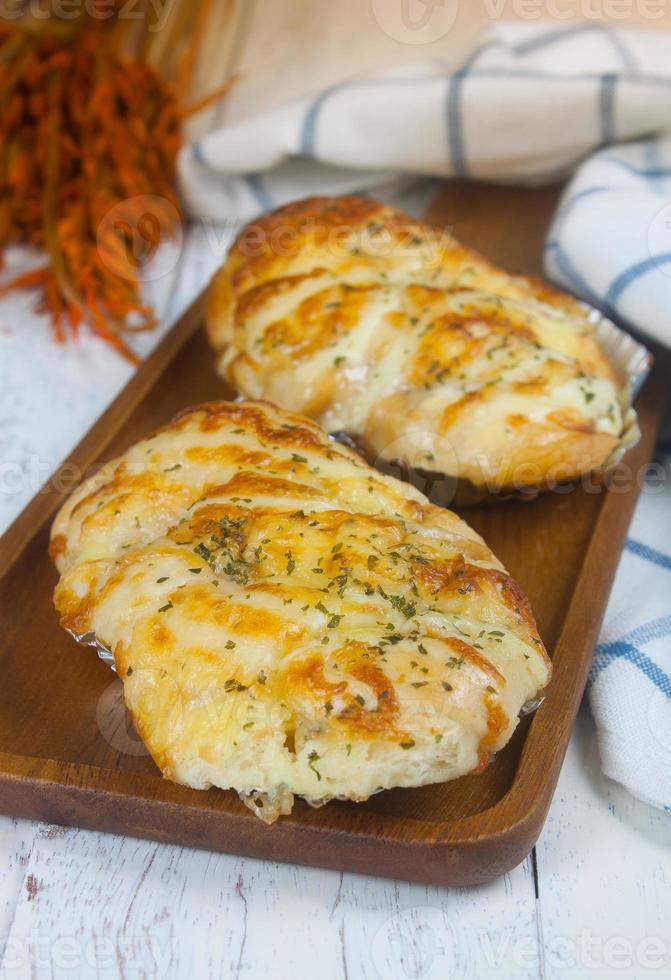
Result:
[
  {"x": 447, "y": 861},
  {"x": 445, "y": 855},
  {"x": 45, "y": 502}
]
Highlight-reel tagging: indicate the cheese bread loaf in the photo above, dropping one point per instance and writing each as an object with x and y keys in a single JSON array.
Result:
[
  {"x": 373, "y": 324},
  {"x": 286, "y": 620}
]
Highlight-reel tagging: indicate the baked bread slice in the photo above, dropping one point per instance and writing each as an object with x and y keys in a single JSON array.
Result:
[
  {"x": 286, "y": 620},
  {"x": 350, "y": 312}
]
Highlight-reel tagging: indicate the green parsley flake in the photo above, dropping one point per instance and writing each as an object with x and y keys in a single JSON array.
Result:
[
  {"x": 233, "y": 685},
  {"x": 312, "y": 758}
]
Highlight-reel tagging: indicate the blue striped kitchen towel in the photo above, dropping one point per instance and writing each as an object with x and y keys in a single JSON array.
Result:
[
  {"x": 630, "y": 682},
  {"x": 533, "y": 103},
  {"x": 610, "y": 241}
]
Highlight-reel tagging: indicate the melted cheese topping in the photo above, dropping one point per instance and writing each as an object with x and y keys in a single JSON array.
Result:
[
  {"x": 350, "y": 312},
  {"x": 285, "y": 619}
]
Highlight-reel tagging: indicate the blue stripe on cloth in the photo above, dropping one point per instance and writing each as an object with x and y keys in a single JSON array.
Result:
[
  {"x": 455, "y": 135},
  {"x": 308, "y": 131},
  {"x": 568, "y": 205},
  {"x": 198, "y": 156},
  {"x": 535, "y": 74},
  {"x": 658, "y": 182},
  {"x": 651, "y": 172},
  {"x": 261, "y": 195},
  {"x": 309, "y": 128},
  {"x": 619, "y": 45},
  {"x": 649, "y": 554},
  {"x": 627, "y": 648},
  {"x": 651, "y": 152},
  {"x": 630, "y": 275},
  {"x": 253, "y": 180},
  {"x": 608, "y": 653},
  {"x": 553, "y": 37},
  {"x": 308, "y": 137},
  {"x": 607, "y": 108},
  {"x": 605, "y": 656},
  {"x": 573, "y": 277},
  {"x": 646, "y": 633}
]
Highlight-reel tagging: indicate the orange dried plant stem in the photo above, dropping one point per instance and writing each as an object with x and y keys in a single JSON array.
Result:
[{"x": 86, "y": 129}]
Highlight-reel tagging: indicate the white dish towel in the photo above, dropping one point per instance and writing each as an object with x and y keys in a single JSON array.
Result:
[{"x": 533, "y": 103}]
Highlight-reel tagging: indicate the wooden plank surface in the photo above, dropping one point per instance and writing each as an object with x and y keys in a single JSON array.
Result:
[{"x": 563, "y": 548}]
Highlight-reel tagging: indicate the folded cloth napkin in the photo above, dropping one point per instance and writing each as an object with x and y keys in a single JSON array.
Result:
[
  {"x": 529, "y": 104},
  {"x": 533, "y": 103},
  {"x": 630, "y": 682},
  {"x": 610, "y": 241}
]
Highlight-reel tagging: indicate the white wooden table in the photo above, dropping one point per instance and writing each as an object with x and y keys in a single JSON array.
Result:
[{"x": 593, "y": 900}]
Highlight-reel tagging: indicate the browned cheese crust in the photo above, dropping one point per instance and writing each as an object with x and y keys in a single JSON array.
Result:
[
  {"x": 351, "y": 312},
  {"x": 286, "y": 620}
]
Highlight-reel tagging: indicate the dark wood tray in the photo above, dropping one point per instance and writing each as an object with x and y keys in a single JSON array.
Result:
[{"x": 57, "y": 699}]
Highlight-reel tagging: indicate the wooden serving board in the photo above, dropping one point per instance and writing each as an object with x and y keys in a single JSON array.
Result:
[{"x": 68, "y": 755}]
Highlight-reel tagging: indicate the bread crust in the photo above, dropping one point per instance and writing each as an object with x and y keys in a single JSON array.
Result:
[
  {"x": 288, "y": 621},
  {"x": 355, "y": 314}
]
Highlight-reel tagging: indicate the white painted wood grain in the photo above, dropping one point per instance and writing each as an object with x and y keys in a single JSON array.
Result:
[
  {"x": 16, "y": 840},
  {"x": 604, "y": 863},
  {"x": 117, "y": 907},
  {"x": 51, "y": 393},
  {"x": 98, "y": 905}
]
